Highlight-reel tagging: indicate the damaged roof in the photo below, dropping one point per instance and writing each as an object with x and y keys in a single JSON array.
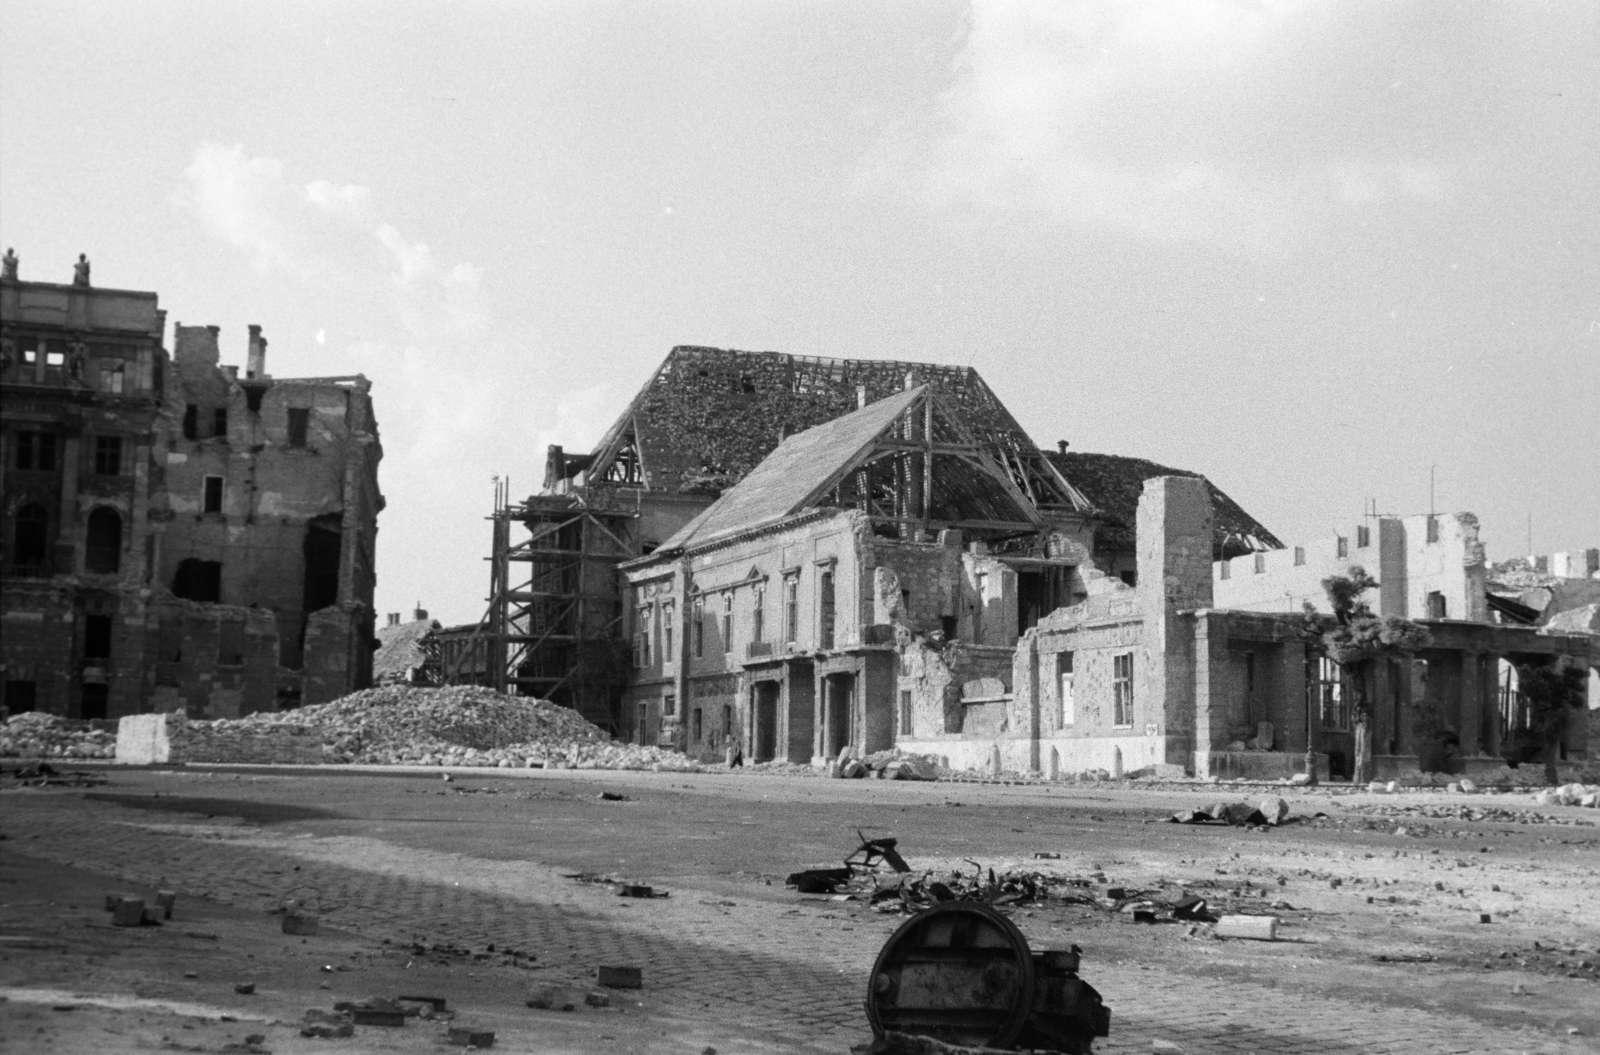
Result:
[
  {"x": 1113, "y": 483},
  {"x": 812, "y": 470},
  {"x": 400, "y": 649},
  {"x": 708, "y": 416}
]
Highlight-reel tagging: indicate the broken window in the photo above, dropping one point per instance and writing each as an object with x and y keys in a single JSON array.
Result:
[
  {"x": 641, "y": 639},
  {"x": 1363, "y": 537},
  {"x": 1066, "y": 704},
  {"x": 219, "y": 423},
  {"x": 31, "y": 536},
  {"x": 299, "y": 422},
  {"x": 230, "y": 643},
  {"x": 1437, "y": 609},
  {"x": 108, "y": 455},
  {"x": 825, "y": 614},
  {"x": 1129, "y": 576},
  {"x": 905, "y": 712},
  {"x": 211, "y": 500},
  {"x": 758, "y": 619},
  {"x": 191, "y": 422},
  {"x": 1122, "y": 689},
  {"x": 36, "y": 451},
  {"x": 1247, "y": 701},
  {"x": 1328, "y": 685},
  {"x": 198, "y": 580},
  {"x": 30, "y": 351},
  {"x": 699, "y": 627},
  {"x": 697, "y": 726},
  {"x": 97, "y": 637},
  {"x": 21, "y": 696},
  {"x": 102, "y": 551},
  {"x": 791, "y": 607},
  {"x": 94, "y": 702},
  {"x": 667, "y": 655},
  {"x": 252, "y": 397},
  {"x": 111, "y": 378},
  {"x": 324, "y": 541},
  {"x": 727, "y": 622},
  {"x": 1342, "y": 545}
]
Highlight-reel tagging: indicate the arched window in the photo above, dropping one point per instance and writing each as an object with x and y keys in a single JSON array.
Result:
[
  {"x": 32, "y": 539},
  {"x": 103, "y": 550}
]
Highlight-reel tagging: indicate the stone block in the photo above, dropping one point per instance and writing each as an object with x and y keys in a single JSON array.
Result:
[
  {"x": 300, "y": 923},
  {"x": 466, "y": 1037},
  {"x": 129, "y": 912},
  {"x": 550, "y": 998},
  {"x": 1257, "y": 928},
  {"x": 165, "y": 901}
]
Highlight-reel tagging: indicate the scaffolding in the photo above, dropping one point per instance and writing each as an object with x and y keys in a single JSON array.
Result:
[{"x": 552, "y": 628}]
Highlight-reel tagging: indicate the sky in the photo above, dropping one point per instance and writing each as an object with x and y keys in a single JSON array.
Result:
[{"x": 1323, "y": 253}]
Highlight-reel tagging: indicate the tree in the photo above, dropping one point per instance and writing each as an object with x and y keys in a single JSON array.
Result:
[
  {"x": 1555, "y": 696},
  {"x": 1354, "y": 642}
]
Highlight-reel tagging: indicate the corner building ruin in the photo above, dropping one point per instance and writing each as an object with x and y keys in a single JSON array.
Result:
[{"x": 176, "y": 537}]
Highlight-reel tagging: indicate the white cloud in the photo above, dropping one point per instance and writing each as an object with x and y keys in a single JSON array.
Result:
[
  {"x": 1187, "y": 120},
  {"x": 245, "y": 202},
  {"x": 348, "y": 201}
]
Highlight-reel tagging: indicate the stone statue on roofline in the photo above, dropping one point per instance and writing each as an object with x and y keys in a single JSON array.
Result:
[
  {"x": 8, "y": 264},
  {"x": 80, "y": 270}
]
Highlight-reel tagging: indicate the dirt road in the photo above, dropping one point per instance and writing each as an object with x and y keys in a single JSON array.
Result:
[{"x": 416, "y": 878}]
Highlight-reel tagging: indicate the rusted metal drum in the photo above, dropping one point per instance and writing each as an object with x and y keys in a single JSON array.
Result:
[{"x": 958, "y": 972}]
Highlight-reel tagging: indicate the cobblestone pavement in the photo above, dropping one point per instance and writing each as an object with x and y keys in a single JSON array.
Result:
[{"x": 785, "y": 977}]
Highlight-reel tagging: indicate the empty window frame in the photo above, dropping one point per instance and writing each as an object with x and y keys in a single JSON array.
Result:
[
  {"x": 1342, "y": 545},
  {"x": 219, "y": 423},
  {"x": 1363, "y": 537},
  {"x": 727, "y": 621},
  {"x": 758, "y": 618},
  {"x": 36, "y": 451},
  {"x": 1299, "y": 556},
  {"x": 102, "y": 549},
  {"x": 1260, "y": 563},
  {"x": 111, "y": 378},
  {"x": 299, "y": 425},
  {"x": 1122, "y": 689},
  {"x": 31, "y": 537},
  {"x": 1331, "y": 700},
  {"x": 697, "y": 727},
  {"x": 108, "y": 455},
  {"x": 1066, "y": 703},
  {"x": 667, "y": 612},
  {"x": 97, "y": 637},
  {"x": 1437, "y": 607},
  {"x": 191, "y": 422},
  {"x": 211, "y": 500},
  {"x": 699, "y": 629},
  {"x": 1433, "y": 528},
  {"x": 641, "y": 638},
  {"x": 825, "y": 614},
  {"x": 791, "y": 607}
]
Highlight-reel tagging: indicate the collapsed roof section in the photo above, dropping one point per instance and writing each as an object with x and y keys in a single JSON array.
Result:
[
  {"x": 909, "y": 462},
  {"x": 708, "y": 416},
  {"x": 1113, "y": 484}
]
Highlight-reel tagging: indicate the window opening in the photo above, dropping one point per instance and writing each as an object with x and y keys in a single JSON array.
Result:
[
  {"x": 97, "y": 637},
  {"x": 825, "y": 611},
  {"x": 1363, "y": 537},
  {"x": 102, "y": 551},
  {"x": 212, "y": 502},
  {"x": 1122, "y": 688},
  {"x": 1433, "y": 528},
  {"x": 667, "y": 655},
  {"x": 299, "y": 423},
  {"x": 905, "y": 712},
  {"x": 1331, "y": 700},
  {"x": 1066, "y": 703},
  {"x": 758, "y": 618},
  {"x": 791, "y": 608},
  {"x": 1299, "y": 556},
  {"x": 198, "y": 580},
  {"x": 1437, "y": 608},
  {"x": 219, "y": 423},
  {"x": 699, "y": 628},
  {"x": 95, "y": 702},
  {"x": 191, "y": 422},
  {"x": 727, "y": 622},
  {"x": 36, "y": 451},
  {"x": 31, "y": 535},
  {"x": 1342, "y": 545},
  {"x": 108, "y": 455},
  {"x": 697, "y": 725},
  {"x": 111, "y": 379}
]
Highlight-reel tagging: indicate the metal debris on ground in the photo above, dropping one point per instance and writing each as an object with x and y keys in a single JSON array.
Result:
[
  {"x": 44, "y": 775},
  {"x": 624, "y": 888}
]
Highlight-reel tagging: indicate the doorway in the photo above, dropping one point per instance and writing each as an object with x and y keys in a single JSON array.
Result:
[
  {"x": 838, "y": 704},
  {"x": 764, "y": 719}
]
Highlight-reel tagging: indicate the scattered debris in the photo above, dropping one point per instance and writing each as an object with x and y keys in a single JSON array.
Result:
[
  {"x": 623, "y": 887},
  {"x": 299, "y": 923},
  {"x": 245, "y": 988},
  {"x": 327, "y": 1024},
  {"x": 35, "y": 734},
  {"x": 612, "y": 796},
  {"x": 1236, "y": 814},
  {"x": 462, "y": 1037},
  {"x": 550, "y": 998},
  {"x": 597, "y": 999}
]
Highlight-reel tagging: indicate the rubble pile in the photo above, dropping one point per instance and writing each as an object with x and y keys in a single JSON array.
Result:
[
  {"x": 36, "y": 735},
  {"x": 459, "y": 726}
]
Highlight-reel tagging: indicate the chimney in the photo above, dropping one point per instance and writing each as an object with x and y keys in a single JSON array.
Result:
[
  {"x": 1061, "y": 446},
  {"x": 861, "y": 396},
  {"x": 255, "y": 367},
  {"x": 394, "y": 618},
  {"x": 419, "y": 613}
]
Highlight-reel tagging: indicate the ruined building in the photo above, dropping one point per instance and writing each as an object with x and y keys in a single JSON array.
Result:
[
  {"x": 560, "y": 614},
  {"x": 176, "y": 537}
]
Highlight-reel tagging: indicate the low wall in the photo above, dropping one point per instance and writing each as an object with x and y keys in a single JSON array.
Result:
[
  {"x": 145, "y": 739},
  {"x": 1058, "y": 757},
  {"x": 1262, "y": 765}
]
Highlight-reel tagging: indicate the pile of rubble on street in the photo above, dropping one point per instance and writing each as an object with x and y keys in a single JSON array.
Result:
[
  {"x": 462, "y": 726},
  {"x": 36, "y": 735}
]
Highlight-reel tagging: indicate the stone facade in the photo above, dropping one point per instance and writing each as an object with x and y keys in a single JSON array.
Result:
[{"x": 176, "y": 538}]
